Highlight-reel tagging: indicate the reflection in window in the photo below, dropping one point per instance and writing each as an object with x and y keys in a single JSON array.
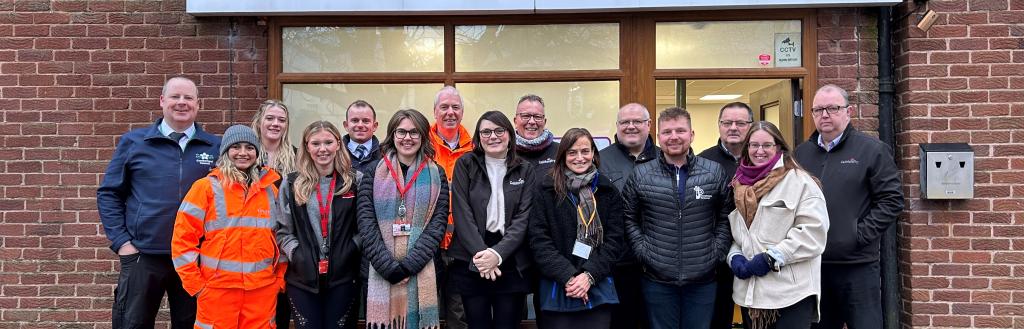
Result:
[
  {"x": 363, "y": 49},
  {"x": 312, "y": 102},
  {"x": 536, "y": 47},
  {"x": 586, "y": 104},
  {"x": 687, "y": 45}
]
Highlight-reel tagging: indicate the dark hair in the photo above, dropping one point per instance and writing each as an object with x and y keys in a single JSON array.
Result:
[
  {"x": 771, "y": 129},
  {"x": 360, "y": 103},
  {"x": 422, "y": 127},
  {"x": 532, "y": 98},
  {"x": 571, "y": 137},
  {"x": 741, "y": 105},
  {"x": 499, "y": 119},
  {"x": 674, "y": 113}
]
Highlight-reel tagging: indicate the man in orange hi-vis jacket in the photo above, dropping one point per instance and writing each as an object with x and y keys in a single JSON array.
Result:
[{"x": 223, "y": 246}]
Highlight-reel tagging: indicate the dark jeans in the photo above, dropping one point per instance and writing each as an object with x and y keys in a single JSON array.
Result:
[
  {"x": 630, "y": 312},
  {"x": 796, "y": 316},
  {"x": 283, "y": 315},
  {"x": 140, "y": 287},
  {"x": 454, "y": 315},
  {"x": 329, "y": 308},
  {"x": 724, "y": 307},
  {"x": 493, "y": 311},
  {"x": 675, "y": 307},
  {"x": 596, "y": 318},
  {"x": 851, "y": 294}
]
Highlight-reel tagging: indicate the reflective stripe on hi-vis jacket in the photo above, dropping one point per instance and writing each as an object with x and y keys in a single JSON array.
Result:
[{"x": 238, "y": 248}]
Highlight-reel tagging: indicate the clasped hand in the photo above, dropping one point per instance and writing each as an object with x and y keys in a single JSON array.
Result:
[{"x": 487, "y": 262}]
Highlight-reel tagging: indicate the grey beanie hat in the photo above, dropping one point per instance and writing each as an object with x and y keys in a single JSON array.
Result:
[{"x": 237, "y": 134}]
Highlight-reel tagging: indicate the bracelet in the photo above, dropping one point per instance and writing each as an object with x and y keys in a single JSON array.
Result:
[{"x": 590, "y": 278}]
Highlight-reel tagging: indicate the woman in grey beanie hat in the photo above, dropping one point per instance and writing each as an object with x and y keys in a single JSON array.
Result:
[{"x": 239, "y": 167}]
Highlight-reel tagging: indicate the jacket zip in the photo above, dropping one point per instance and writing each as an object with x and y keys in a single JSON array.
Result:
[{"x": 679, "y": 216}]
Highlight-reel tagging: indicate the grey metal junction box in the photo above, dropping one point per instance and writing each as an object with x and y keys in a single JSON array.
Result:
[{"x": 947, "y": 171}]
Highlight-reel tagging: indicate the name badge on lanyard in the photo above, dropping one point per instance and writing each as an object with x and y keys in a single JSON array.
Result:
[
  {"x": 402, "y": 227},
  {"x": 581, "y": 250}
]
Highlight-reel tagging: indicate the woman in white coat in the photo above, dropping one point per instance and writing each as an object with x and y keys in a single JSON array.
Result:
[{"x": 779, "y": 229}]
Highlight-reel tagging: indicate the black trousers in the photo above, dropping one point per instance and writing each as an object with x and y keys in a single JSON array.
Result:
[
  {"x": 453, "y": 312},
  {"x": 597, "y": 318},
  {"x": 724, "y": 307},
  {"x": 141, "y": 286},
  {"x": 283, "y": 315},
  {"x": 494, "y": 310},
  {"x": 336, "y": 307},
  {"x": 631, "y": 312},
  {"x": 796, "y": 316},
  {"x": 851, "y": 294}
]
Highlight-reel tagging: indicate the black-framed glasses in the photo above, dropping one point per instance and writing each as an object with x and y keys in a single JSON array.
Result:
[
  {"x": 832, "y": 110},
  {"x": 402, "y": 133},
  {"x": 759, "y": 146},
  {"x": 738, "y": 123},
  {"x": 487, "y": 133},
  {"x": 635, "y": 123},
  {"x": 530, "y": 117}
]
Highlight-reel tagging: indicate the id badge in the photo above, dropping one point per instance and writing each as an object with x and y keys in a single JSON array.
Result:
[
  {"x": 581, "y": 250},
  {"x": 323, "y": 266},
  {"x": 401, "y": 229}
]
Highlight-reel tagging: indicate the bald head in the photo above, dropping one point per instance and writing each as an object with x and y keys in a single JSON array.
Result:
[{"x": 633, "y": 125}]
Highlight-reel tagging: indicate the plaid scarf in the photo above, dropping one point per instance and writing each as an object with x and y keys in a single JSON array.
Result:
[
  {"x": 591, "y": 233},
  {"x": 387, "y": 305}
]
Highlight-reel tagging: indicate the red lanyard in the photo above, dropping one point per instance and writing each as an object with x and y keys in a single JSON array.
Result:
[
  {"x": 325, "y": 206},
  {"x": 398, "y": 183}
]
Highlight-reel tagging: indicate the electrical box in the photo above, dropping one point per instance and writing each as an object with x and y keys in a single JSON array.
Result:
[{"x": 947, "y": 171}]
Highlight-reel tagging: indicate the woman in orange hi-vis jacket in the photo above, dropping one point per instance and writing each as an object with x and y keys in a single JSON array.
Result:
[{"x": 223, "y": 246}]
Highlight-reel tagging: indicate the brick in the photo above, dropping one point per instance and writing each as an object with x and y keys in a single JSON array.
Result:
[
  {"x": 948, "y": 31},
  {"x": 36, "y": 80},
  {"x": 969, "y": 70},
  {"x": 948, "y": 6},
  {"x": 1006, "y": 17},
  {"x": 989, "y": 31},
  {"x": 53, "y": 43},
  {"x": 89, "y": 43},
  {"x": 987, "y": 5},
  {"x": 968, "y": 44},
  {"x": 1007, "y": 69},
  {"x": 142, "y": 30},
  {"x": 990, "y": 270},
  {"x": 988, "y": 83},
  {"x": 995, "y": 56},
  {"x": 1008, "y": 123},
  {"x": 127, "y": 43},
  {"x": 88, "y": 18},
  {"x": 106, "y": 6},
  {"x": 92, "y": 68},
  {"x": 949, "y": 57},
  {"x": 109, "y": 56},
  {"x": 947, "y": 83},
  {"x": 71, "y": 55},
  {"x": 16, "y": 43},
  {"x": 968, "y": 124},
  {"x": 1006, "y": 43},
  {"x": 182, "y": 30},
  {"x": 163, "y": 43},
  {"x": 105, "y": 31},
  {"x": 33, "y": 55},
  {"x": 959, "y": 321}
]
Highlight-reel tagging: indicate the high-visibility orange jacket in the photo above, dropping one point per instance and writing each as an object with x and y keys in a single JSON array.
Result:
[
  {"x": 445, "y": 157},
  {"x": 224, "y": 237}
]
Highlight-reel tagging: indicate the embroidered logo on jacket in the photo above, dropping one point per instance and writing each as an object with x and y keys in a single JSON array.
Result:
[
  {"x": 518, "y": 182},
  {"x": 699, "y": 194},
  {"x": 546, "y": 161},
  {"x": 204, "y": 159},
  {"x": 850, "y": 161}
]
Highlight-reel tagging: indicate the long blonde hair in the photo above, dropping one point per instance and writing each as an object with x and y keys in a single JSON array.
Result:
[
  {"x": 233, "y": 175},
  {"x": 308, "y": 177},
  {"x": 283, "y": 160}
]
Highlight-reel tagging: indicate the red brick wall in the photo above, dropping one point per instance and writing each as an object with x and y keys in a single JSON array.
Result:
[
  {"x": 848, "y": 57},
  {"x": 74, "y": 75},
  {"x": 963, "y": 81}
]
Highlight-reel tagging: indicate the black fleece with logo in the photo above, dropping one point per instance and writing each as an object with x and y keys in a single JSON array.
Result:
[{"x": 863, "y": 193}]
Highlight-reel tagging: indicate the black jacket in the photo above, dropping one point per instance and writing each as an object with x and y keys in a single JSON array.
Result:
[
  {"x": 394, "y": 270},
  {"x": 617, "y": 164},
  {"x": 471, "y": 191},
  {"x": 679, "y": 245},
  {"x": 553, "y": 232},
  {"x": 717, "y": 154},
  {"x": 862, "y": 189},
  {"x": 542, "y": 160},
  {"x": 367, "y": 164},
  {"x": 344, "y": 255}
]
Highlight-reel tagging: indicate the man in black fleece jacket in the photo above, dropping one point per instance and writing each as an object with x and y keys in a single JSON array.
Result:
[{"x": 863, "y": 193}]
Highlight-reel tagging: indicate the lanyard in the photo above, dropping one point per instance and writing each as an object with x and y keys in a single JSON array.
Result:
[
  {"x": 408, "y": 186},
  {"x": 325, "y": 206},
  {"x": 579, "y": 209}
]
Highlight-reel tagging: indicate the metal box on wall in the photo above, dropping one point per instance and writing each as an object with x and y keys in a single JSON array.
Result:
[{"x": 947, "y": 171}]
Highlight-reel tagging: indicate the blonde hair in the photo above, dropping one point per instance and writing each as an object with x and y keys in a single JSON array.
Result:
[
  {"x": 283, "y": 160},
  {"x": 234, "y": 175},
  {"x": 308, "y": 177}
]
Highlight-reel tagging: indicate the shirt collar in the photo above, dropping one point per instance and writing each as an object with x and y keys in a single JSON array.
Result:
[
  {"x": 166, "y": 129},
  {"x": 831, "y": 144},
  {"x": 721, "y": 144},
  {"x": 352, "y": 145}
]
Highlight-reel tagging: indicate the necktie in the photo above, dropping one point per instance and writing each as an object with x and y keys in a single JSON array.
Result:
[
  {"x": 360, "y": 152},
  {"x": 176, "y": 136}
]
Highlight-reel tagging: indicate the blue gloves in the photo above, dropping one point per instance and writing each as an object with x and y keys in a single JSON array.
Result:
[
  {"x": 758, "y": 266},
  {"x": 739, "y": 267}
]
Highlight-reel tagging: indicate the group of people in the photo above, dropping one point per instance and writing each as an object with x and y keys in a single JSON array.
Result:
[{"x": 436, "y": 221}]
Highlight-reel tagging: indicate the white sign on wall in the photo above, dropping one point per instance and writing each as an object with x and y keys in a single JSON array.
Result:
[{"x": 787, "y": 50}]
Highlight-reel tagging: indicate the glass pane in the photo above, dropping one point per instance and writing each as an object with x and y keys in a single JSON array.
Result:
[
  {"x": 311, "y": 102},
  {"x": 536, "y": 47},
  {"x": 587, "y": 104},
  {"x": 770, "y": 99},
  {"x": 687, "y": 45},
  {"x": 363, "y": 49}
]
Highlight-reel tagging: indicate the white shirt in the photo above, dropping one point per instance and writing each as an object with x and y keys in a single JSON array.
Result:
[
  {"x": 496, "y": 170},
  {"x": 166, "y": 130}
]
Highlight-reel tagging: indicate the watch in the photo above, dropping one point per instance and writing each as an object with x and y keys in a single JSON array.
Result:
[{"x": 771, "y": 262}]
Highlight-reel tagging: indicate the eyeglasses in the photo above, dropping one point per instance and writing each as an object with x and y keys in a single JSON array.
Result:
[
  {"x": 832, "y": 110},
  {"x": 765, "y": 146},
  {"x": 530, "y": 117},
  {"x": 402, "y": 133},
  {"x": 738, "y": 123},
  {"x": 487, "y": 133},
  {"x": 635, "y": 123}
]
